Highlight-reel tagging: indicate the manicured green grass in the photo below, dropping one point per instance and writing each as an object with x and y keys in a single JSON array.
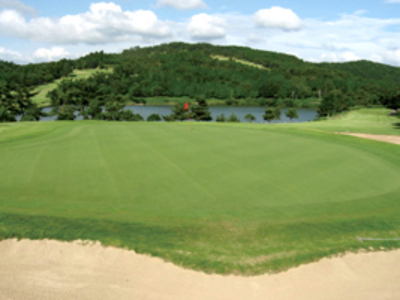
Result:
[
  {"x": 367, "y": 120},
  {"x": 225, "y": 198},
  {"x": 42, "y": 90}
]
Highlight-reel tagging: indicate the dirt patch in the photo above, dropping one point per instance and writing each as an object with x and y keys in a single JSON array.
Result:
[
  {"x": 393, "y": 139},
  {"x": 57, "y": 270}
]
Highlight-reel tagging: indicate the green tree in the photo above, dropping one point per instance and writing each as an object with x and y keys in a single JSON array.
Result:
[
  {"x": 154, "y": 118},
  {"x": 269, "y": 115},
  {"x": 63, "y": 100},
  {"x": 169, "y": 118},
  {"x": 392, "y": 100},
  {"x": 270, "y": 87},
  {"x": 8, "y": 107},
  {"x": 6, "y": 115},
  {"x": 114, "y": 107},
  {"x": 22, "y": 99},
  {"x": 32, "y": 113},
  {"x": 64, "y": 113},
  {"x": 221, "y": 118},
  {"x": 250, "y": 118},
  {"x": 94, "y": 110},
  {"x": 277, "y": 113},
  {"x": 233, "y": 119},
  {"x": 291, "y": 113},
  {"x": 178, "y": 113},
  {"x": 333, "y": 102},
  {"x": 200, "y": 112},
  {"x": 130, "y": 116}
]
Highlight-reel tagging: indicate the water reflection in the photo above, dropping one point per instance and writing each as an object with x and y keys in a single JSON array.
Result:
[{"x": 305, "y": 114}]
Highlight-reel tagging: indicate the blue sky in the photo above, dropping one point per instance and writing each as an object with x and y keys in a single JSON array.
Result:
[{"x": 40, "y": 30}]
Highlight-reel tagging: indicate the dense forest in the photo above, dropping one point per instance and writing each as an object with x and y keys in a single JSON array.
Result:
[{"x": 236, "y": 75}]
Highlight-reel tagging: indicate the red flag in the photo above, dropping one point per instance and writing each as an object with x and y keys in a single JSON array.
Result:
[{"x": 186, "y": 107}]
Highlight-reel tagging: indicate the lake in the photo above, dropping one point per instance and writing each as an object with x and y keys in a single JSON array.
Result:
[{"x": 305, "y": 114}]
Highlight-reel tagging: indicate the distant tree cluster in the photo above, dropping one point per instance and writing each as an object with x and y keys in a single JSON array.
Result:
[
  {"x": 91, "y": 98},
  {"x": 17, "y": 102},
  {"x": 198, "y": 112},
  {"x": 231, "y": 119},
  {"x": 30, "y": 75},
  {"x": 272, "y": 114}
]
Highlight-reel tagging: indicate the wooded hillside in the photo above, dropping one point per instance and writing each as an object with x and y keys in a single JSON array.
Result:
[{"x": 236, "y": 75}]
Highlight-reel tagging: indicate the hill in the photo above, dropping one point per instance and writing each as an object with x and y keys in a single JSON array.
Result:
[{"x": 231, "y": 74}]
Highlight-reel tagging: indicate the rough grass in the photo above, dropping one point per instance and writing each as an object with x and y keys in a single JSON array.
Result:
[{"x": 241, "y": 198}]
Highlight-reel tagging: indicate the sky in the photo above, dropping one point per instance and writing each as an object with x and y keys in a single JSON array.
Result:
[{"x": 34, "y": 31}]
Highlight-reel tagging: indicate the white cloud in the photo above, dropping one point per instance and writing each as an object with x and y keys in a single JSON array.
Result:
[
  {"x": 349, "y": 37},
  {"x": 55, "y": 53},
  {"x": 103, "y": 23},
  {"x": 204, "y": 26},
  {"x": 339, "y": 56},
  {"x": 376, "y": 58},
  {"x": 10, "y": 55},
  {"x": 392, "y": 57},
  {"x": 277, "y": 17},
  {"x": 18, "y": 6},
  {"x": 106, "y": 26},
  {"x": 182, "y": 4}
]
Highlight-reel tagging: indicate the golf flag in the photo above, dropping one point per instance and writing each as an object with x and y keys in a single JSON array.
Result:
[{"x": 186, "y": 107}]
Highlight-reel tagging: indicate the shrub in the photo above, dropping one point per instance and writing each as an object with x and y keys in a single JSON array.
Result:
[
  {"x": 154, "y": 118},
  {"x": 221, "y": 118},
  {"x": 250, "y": 118},
  {"x": 233, "y": 118}
]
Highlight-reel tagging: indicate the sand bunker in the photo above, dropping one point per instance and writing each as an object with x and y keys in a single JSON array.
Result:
[
  {"x": 394, "y": 139},
  {"x": 58, "y": 270}
]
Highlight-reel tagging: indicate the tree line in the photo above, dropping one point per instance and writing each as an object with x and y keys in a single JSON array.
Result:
[{"x": 236, "y": 75}]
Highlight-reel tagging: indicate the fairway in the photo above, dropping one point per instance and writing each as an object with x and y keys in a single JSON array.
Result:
[{"x": 221, "y": 198}]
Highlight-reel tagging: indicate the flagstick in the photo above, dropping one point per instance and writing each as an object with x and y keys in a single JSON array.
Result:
[{"x": 188, "y": 120}]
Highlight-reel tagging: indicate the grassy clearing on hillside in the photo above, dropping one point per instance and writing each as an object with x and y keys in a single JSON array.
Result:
[
  {"x": 240, "y": 61},
  {"x": 42, "y": 90},
  {"x": 225, "y": 198}
]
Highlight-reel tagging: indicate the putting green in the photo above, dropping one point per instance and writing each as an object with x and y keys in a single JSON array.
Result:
[{"x": 212, "y": 184}]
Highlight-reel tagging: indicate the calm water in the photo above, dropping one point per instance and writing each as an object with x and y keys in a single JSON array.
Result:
[{"x": 305, "y": 114}]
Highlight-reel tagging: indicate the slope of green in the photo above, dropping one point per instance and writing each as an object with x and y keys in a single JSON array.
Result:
[
  {"x": 373, "y": 121},
  {"x": 220, "y": 198}
]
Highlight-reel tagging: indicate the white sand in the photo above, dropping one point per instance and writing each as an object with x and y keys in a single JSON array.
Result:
[
  {"x": 57, "y": 270},
  {"x": 393, "y": 139}
]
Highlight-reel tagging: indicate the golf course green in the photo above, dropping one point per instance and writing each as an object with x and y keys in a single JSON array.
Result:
[{"x": 224, "y": 198}]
